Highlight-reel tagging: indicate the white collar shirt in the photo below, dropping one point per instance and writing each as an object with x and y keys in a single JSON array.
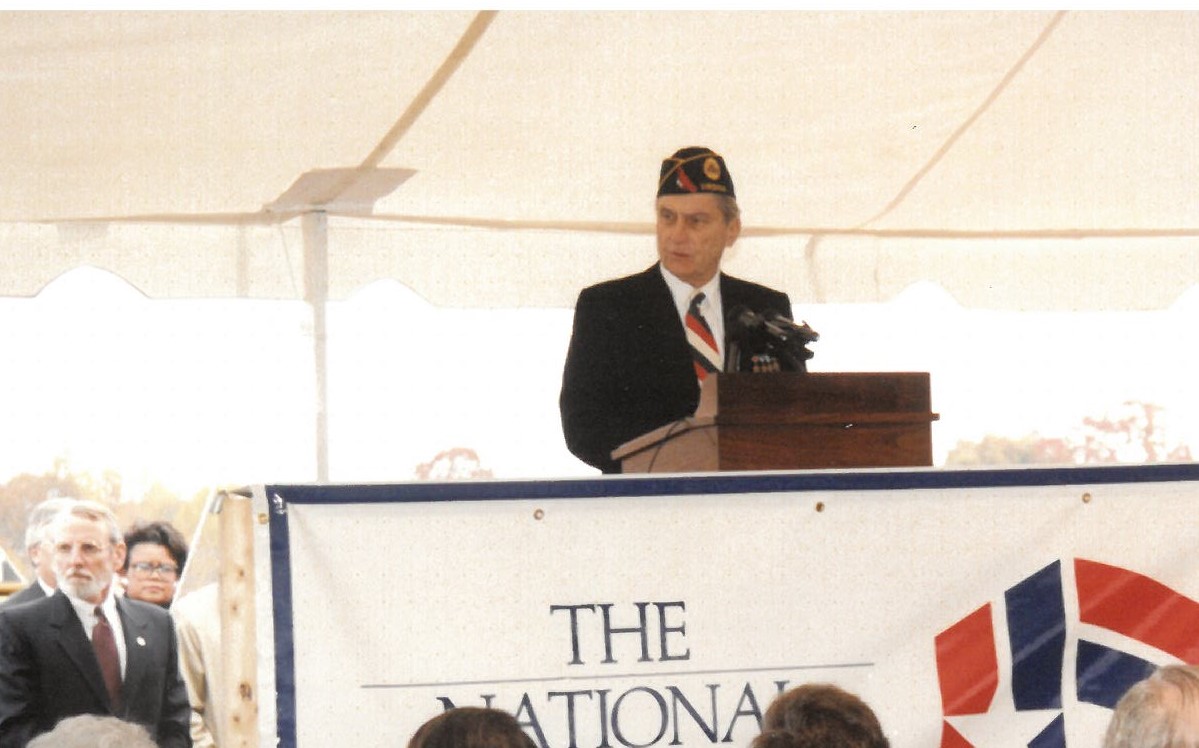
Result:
[
  {"x": 87, "y": 616},
  {"x": 711, "y": 307}
]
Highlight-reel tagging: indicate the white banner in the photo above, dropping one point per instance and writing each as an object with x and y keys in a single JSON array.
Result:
[{"x": 628, "y": 613}]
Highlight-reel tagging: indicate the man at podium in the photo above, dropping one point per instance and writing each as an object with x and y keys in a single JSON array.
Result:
[{"x": 642, "y": 344}]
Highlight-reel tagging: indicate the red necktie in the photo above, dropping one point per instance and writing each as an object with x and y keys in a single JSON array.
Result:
[
  {"x": 699, "y": 336},
  {"x": 110, "y": 662}
]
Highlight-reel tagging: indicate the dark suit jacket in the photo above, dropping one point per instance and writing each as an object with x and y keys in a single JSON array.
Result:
[
  {"x": 27, "y": 595},
  {"x": 628, "y": 369},
  {"x": 48, "y": 671}
]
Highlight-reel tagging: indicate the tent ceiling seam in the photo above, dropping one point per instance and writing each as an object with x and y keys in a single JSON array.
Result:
[
  {"x": 417, "y": 106},
  {"x": 974, "y": 117},
  {"x": 619, "y": 227},
  {"x": 645, "y": 228}
]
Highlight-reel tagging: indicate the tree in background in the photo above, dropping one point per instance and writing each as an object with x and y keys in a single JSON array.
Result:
[
  {"x": 456, "y": 463},
  {"x": 20, "y": 494},
  {"x": 1134, "y": 433},
  {"x": 1032, "y": 449}
]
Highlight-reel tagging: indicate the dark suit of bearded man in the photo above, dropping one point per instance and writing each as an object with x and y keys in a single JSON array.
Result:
[{"x": 48, "y": 671}]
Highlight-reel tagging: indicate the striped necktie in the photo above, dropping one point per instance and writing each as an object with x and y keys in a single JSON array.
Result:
[
  {"x": 704, "y": 352},
  {"x": 105, "y": 646}
]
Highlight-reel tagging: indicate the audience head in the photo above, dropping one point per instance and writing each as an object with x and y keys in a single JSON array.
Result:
[
  {"x": 820, "y": 715},
  {"x": 88, "y": 549},
  {"x": 1161, "y": 711},
  {"x": 38, "y": 544},
  {"x": 156, "y": 555},
  {"x": 93, "y": 731},
  {"x": 471, "y": 727}
]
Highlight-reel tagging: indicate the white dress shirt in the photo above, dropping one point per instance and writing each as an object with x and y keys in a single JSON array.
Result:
[
  {"x": 711, "y": 307},
  {"x": 87, "y": 616}
]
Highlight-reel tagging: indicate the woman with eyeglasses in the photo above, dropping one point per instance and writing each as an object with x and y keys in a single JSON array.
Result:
[{"x": 155, "y": 557}]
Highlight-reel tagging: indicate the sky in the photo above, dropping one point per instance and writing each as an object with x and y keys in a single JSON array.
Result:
[{"x": 200, "y": 393}]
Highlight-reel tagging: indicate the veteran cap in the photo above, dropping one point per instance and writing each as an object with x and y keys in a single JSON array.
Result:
[{"x": 695, "y": 169}]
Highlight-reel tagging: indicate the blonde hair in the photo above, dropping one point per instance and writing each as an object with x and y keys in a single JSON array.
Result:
[
  {"x": 94, "y": 731},
  {"x": 1161, "y": 711}
]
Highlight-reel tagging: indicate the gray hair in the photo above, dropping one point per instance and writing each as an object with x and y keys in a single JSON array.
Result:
[
  {"x": 96, "y": 512},
  {"x": 40, "y": 518},
  {"x": 729, "y": 207},
  {"x": 94, "y": 731},
  {"x": 1158, "y": 712}
]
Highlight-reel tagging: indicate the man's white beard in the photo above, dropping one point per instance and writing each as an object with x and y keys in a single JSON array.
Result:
[{"x": 84, "y": 589}]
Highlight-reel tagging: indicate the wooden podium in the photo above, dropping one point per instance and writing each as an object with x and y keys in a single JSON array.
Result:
[{"x": 793, "y": 421}]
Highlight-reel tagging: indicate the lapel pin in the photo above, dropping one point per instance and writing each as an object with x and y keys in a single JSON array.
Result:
[{"x": 141, "y": 642}]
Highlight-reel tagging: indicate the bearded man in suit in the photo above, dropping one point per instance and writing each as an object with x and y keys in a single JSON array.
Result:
[
  {"x": 84, "y": 650},
  {"x": 630, "y": 366}
]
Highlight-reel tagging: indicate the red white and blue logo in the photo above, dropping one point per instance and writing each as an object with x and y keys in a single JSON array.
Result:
[{"x": 1016, "y": 671}]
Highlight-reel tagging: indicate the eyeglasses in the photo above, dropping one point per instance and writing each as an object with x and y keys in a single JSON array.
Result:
[{"x": 143, "y": 569}]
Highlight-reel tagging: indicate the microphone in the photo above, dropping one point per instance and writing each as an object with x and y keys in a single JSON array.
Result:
[
  {"x": 770, "y": 334},
  {"x": 786, "y": 329},
  {"x": 741, "y": 320}
]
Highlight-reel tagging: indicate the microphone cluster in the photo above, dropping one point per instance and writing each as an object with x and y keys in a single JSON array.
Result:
[{"x": 751, "y": 334}]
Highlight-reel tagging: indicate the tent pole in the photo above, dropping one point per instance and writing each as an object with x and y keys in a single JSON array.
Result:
[{"x": 316, "y": 293}]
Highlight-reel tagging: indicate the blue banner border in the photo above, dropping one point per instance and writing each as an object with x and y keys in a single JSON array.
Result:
[{"x": 280, "y": 495}]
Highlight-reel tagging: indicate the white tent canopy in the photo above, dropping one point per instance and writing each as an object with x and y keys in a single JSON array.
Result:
[{"x": 1019, "y": 159}]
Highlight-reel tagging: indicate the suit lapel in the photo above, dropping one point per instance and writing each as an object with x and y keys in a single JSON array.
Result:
[
  {"x": 660, "y": 313},
  {"x": 136, "y": 631},
  {"x": 731, "y": 297},
  {"x": 75, "y": 643}
]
